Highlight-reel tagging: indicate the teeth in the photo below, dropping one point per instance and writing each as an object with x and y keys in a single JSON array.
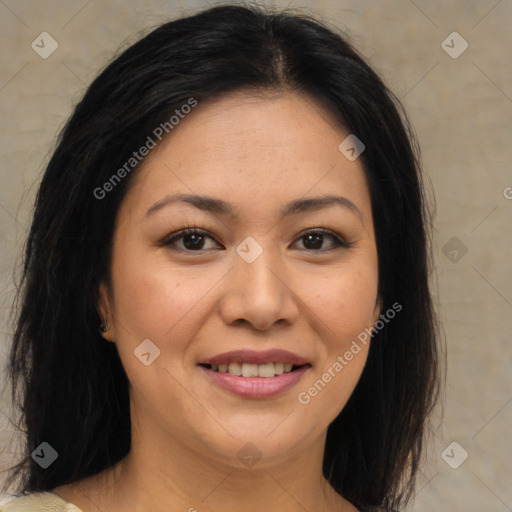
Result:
[
  {"x": 235, "y": 369},
  {"x": 249, "y": 370},
  {"x": 266, "y": 370}
]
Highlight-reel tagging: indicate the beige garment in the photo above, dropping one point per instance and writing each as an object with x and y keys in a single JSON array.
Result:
[{"x": 39, "y": 502}]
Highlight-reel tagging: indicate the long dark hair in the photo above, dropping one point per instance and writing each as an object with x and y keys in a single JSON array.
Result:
[{"x": 69, "y": 384}]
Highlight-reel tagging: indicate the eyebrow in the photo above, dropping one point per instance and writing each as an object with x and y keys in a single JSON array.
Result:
[{"x": 221, "y": 207}]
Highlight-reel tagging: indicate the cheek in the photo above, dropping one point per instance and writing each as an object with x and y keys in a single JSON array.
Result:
[
  {"x": 164, "y": 303},
  {"x": 152, "y": 298},
  {"x": 344, "y": 301},
  {"x": 154, "y": 301}
]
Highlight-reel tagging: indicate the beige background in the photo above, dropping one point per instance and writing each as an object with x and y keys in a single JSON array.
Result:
[{"x": 461, "y": 109}]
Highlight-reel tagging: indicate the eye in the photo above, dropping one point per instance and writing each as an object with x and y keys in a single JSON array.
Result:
[
  {"x": 314, "y": 238},
  {"x": 193, "y": 239}
]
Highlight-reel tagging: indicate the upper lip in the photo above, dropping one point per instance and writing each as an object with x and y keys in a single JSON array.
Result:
[{"x": 256, "y": 357}]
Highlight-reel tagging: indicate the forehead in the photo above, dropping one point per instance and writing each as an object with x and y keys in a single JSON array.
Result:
[{"x": 249, "y": 148}]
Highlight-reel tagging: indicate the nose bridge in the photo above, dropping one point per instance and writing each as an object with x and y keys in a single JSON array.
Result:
[
  {"x": 258, "y": 291},
  {"x": 257, "y": 266}
]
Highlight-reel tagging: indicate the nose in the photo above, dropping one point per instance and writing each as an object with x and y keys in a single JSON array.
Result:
[{"x": 259, "y": 294}]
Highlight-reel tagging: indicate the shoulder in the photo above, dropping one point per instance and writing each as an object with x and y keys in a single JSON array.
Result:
[{"x": 39, "y": 502}]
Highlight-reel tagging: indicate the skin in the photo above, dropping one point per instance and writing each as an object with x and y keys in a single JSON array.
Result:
[{"x": 257, "y": 151}]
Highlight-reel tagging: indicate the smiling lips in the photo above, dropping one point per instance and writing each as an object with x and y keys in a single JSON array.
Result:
[{"x": 256, "y": 374}]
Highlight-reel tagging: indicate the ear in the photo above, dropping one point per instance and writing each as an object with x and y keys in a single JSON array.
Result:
[
  {"x": 377, "y": 310},
  {"x": 104, "y": 310}
]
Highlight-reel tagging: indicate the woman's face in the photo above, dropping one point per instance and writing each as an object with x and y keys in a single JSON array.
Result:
[{"x": 274, "y": 278}]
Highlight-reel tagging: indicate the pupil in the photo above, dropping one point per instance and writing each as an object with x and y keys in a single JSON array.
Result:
[
  {"x": 316, "y": 238},
  {"x": 194, "y": 244}
]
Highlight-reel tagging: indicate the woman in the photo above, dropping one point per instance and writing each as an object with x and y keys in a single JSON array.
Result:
[{"x": 225, "y": 302}]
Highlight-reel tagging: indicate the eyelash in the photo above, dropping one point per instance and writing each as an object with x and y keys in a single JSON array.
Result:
[{"x": 338, "y": 242}]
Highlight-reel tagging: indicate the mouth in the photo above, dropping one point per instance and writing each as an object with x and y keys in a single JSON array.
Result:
[{"x": 254, "y": 374}]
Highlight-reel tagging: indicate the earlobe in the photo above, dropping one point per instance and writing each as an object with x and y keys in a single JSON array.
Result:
[{"x": 104, "y": 310}]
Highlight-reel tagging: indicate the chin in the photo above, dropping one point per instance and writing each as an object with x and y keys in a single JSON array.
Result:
[{"x": 258, "y": 448}]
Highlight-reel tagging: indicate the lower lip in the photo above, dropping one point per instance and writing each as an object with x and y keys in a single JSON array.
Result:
[{"x": 257, "y": 387}]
